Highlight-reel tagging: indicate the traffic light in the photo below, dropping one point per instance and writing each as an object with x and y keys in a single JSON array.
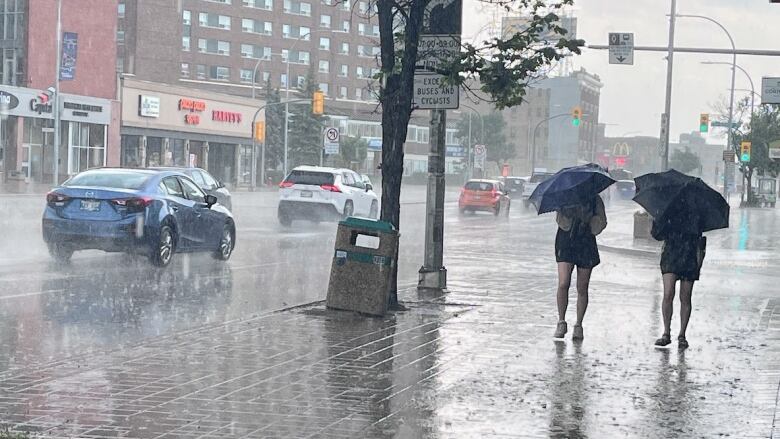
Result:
[
  {"x": 259, "y": 131},
  {"x": 318, "y": 103},
  {"x": 704, "y": 123},
  {"x": 576, "y": 116},
  {"x": 744, "y": 155}
]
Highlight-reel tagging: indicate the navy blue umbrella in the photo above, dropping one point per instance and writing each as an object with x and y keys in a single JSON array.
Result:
[{"x": 570, "y": 187}]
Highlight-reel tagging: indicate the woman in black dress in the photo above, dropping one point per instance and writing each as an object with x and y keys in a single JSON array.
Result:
[
  {"x": 575, "y": 245},
  {"x": 682, "y": 257}
]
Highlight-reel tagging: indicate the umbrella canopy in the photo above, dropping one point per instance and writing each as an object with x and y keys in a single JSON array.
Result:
[
  {"x": 677, "y": 198},
  {"x": 570, "y": 187}
]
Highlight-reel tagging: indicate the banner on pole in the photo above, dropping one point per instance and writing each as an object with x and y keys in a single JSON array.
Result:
[{"x": 70, "y": 48}]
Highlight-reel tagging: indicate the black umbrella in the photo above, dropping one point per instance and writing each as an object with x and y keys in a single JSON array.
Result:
[
  {"x": 673, "y": 197},
  {"x": 570, "y": 187}
]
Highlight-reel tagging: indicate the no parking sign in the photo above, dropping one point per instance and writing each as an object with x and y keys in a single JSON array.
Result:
[{"x": 331, "y": 141}]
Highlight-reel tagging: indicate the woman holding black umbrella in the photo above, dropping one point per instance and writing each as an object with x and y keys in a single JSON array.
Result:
[
  {"x": 681, "y": 260},
  {"x": 683, "y": 208},
  {"x": 573, "y": 193}
]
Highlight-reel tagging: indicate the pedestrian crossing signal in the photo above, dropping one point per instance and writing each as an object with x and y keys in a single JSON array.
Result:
[
  {"x": 576, "y": 116},
  {"x": 744, "y": 155},
  {"x": 704, "y": 123}
]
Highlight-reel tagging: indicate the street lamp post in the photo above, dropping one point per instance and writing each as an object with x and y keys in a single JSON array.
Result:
[
  {"x": 750, "y": 79},
  {"x": 733, "y": 80},
  {"x": 470, "y": 159},
  {"x": 56, "y": 103},
  {"x": 533, "y": 143}
]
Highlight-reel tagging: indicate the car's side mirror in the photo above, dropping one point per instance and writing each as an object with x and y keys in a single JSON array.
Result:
[
  {"x": 211, "y": 200},
  {"x": 220, "y": 184},
  {"x": 369, "y": 187}
]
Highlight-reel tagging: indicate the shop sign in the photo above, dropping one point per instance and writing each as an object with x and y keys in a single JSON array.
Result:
[
  {"x": 192, "y": 105},
  {"x": 226, "y": 116},
  {"x": 40, "y": 107},
  {"x": 192, "y": 119},
  {"x": 148, "y": 106},
  {"x": 8, "y": 101},
  {"x": 81, "y": 110}
]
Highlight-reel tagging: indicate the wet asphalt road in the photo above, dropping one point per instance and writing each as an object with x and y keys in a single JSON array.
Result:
[{"x": 108, "y": 300}]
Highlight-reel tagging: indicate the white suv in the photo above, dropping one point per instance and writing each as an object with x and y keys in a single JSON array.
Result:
[{"x": 319, "y": 194}]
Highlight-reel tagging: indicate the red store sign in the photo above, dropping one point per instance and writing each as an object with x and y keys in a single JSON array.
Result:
[
  {"x": 226, "y": 116},
  {"x": 192, "y": 105}
]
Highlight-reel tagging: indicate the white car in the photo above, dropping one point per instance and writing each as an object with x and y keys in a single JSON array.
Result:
[
  {"x": 320, "y": 194},
  {"x": 532, "y": 183}
]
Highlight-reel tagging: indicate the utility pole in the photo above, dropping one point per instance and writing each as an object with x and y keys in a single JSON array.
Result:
[
  {"x": 433, "y": 275},
  {"x": 56, "y": 104},
  {"x": 666, "y": 121}
]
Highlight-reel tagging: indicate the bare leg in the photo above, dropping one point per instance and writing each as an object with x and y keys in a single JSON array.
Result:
[
  {"x": 564, "y": 282},
  {"x": 583, "y": 281},
  {"x": 686, "y": 291},
  {"x": 670, "y": 283}
]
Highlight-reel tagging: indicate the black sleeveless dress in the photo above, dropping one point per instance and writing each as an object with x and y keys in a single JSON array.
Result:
[{"x": 577, "y": 246}]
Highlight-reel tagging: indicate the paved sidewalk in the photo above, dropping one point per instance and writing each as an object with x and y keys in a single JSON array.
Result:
[{"x": 478, "y": 362}]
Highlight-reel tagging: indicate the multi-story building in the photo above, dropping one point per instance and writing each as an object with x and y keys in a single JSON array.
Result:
[
  {"x": 568, "y": 145},
  {"x": 224, "y": 45},
  {"x": 88, "y": 104}
]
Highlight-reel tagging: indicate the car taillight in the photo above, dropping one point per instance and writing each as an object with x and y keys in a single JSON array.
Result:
[
  {"x": 330, "y": 187},
  {"x": 286, "y": 184},
  {"x": 133, "y": 204},
  {"x": 56, "y": 199}
]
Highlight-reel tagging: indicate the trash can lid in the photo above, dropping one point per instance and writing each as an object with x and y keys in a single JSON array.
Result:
[{"x": 370, "y": 224}]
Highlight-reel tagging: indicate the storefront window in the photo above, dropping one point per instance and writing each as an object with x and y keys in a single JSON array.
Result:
[
  {"x": 154, "y": 151},
  {"x": 179, "y": 152},
  {"x": 131, "y": 152},
  {"x": 87, "y": 146}
]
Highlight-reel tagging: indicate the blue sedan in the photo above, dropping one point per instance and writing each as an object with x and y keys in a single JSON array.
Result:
[{"x": 152, "y": 212}]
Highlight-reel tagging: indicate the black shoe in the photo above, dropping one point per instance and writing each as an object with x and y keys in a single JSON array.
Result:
[
  {"x": 682, "y": 343},
  {"x": 665, "y": 340}
]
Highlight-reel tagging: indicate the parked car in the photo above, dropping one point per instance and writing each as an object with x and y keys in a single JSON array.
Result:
[
  {"x": 529, "y": 187},
  {"x": 626, "y": 189},
  {"x": 153, "y": 212},
  {"x": 514, "y": 185},
  {"x": 766, "y": 191},
  {"x": 322, "y": 194},
  {"x": 484, "y": 195},
  {"x": 209, "y": 184}
]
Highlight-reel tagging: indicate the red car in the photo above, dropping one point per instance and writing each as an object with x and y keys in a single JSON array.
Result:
[{"x": 484, "y": 195}]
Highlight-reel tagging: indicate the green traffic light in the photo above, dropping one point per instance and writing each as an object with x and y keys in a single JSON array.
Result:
[
  {"x": 745, "y": 157},
  {"x": 703, "y": 128},
  {"x": 575, "y": 122}
]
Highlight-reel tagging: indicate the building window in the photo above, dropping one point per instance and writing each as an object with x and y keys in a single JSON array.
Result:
[
  {"x": 246, "y": 75},
  {"x": 361, "y": 28},
  {"x": 363, "y": 7},
  {"x": 219, "y": 73},
  {"x": 324, "y": 88},
  {"x": 345, "y": 48},
  {"x": 283, "y": 80},
  {"x": 186, "y": 17},
  {"x": 324, "y": 43},
  {"x": 359, "y": 93},
  {"x": 344, "y": 70},
  {"x": 185, "y": 44},
  {"x": 256, "y": 26},
  {"x": 343, "y": 92},
  {"x": 345, "y": 5},
  {"x": 375, "y": 50},
  {"x": 259, "y": 4},
  {"x": 301, "y": 81},
  {"x": 120, "y": 36},
  {"x": 325, "y": 21},
  {"x": 296, "y": 32},
  {"x": 88, "y": 146},
  {"x": 200, "y": 71},
  {"x": 324, "y": 66},
  {"x": 214, "y": 47},
  {"x": 375, "y": 30},
  {"x": 214, "y": 20},
  {"x": 297, "y": 8},
  {"x": 327, "y": 2},
  {"x": 345, "y": 26},
  {"x": 256, "y": 52},
  {"x": 296, "y": 56},
  {"x": 12, "y": 19},
  {"x": 185, "y": 70},
  {"x": 121, "y": 10},
  {"x": 120, "y": 65},
  {"x": 226, "y": 2},
  {"x": 359, "y": 71},
  {"x": 266, "y": 75}
]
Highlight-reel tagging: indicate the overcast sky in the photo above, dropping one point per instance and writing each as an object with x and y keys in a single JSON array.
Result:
[{"x": 632, "y": 99}]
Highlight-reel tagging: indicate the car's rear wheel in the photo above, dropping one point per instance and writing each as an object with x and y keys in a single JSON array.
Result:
[
  {"x": 349, "y": 209},
  {"x": 497, "y": 209},
  {"x": 284, "y": 218},
  {"x": 374, "y": 212},
  {"x": 226, "y": 243},
  {"x": 60, "y": 252},
  {"x": 163, "y": 249}
]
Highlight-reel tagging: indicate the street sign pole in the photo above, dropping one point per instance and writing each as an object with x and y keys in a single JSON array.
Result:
[
  {"x": 668, "y": 103},
  {"x": 439, "y": 42}
]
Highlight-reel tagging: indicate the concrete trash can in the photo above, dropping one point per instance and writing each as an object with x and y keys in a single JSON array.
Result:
[
  {"x": 365, "y": 253},
  {"x": 643, "y": 223}
]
